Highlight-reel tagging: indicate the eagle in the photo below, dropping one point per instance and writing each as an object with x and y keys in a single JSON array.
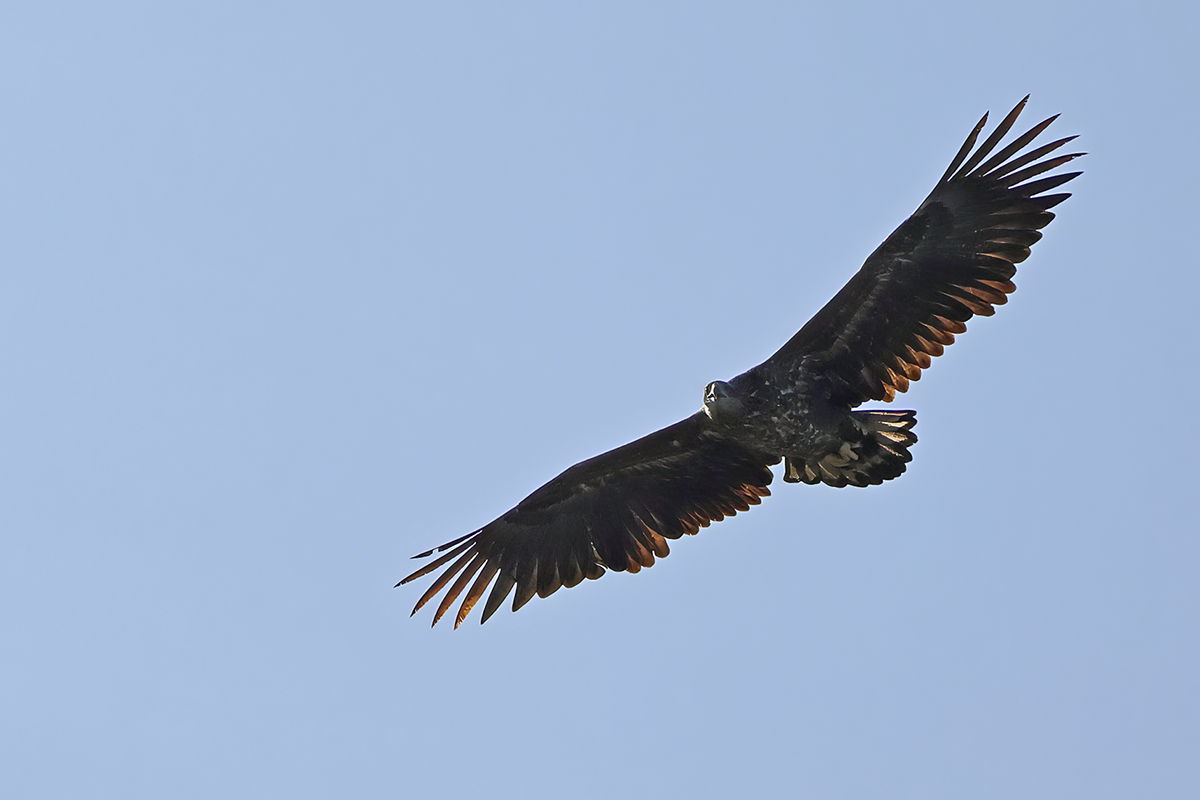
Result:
[{"x": 955, "y": 257}]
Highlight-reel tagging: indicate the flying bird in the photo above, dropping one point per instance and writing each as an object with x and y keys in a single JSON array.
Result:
[{"x": 955, "y": 257}]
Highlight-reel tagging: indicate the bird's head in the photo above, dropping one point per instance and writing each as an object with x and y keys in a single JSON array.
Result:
[{"x": 722, "y": 402}]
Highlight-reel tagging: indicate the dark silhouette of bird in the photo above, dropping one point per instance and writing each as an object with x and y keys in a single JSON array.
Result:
[{"x": 955, "y": 257}]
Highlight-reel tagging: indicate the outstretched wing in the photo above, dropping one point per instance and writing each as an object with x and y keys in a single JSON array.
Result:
[
  {"x": 616, "y": 510},
  {"x": 954, "y": 258}
]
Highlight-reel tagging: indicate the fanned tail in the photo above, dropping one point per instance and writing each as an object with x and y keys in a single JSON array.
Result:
[{"x": 878, "y": 453}]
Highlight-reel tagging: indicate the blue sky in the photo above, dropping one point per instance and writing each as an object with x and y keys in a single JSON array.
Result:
[{"x": 290, "y": 292}]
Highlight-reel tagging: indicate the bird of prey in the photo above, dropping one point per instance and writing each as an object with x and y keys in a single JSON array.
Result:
[{"x": 955, "y": 257}]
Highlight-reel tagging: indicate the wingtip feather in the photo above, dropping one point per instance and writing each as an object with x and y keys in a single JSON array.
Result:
[{"x": 990, "y": 143}]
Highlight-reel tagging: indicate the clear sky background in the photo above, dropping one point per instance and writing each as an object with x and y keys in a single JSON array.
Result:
[{"x": 290, "y": 292}]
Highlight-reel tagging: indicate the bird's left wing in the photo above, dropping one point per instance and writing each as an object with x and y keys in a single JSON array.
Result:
[
  {"x": 952, "y": 259},
  {"x": 616, "y": 510}
]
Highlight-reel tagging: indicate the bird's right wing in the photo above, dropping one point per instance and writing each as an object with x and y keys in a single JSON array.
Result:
[{"x": 616, "y": 510}]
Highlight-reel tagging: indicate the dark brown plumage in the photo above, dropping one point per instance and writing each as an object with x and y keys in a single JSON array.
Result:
[{"x": 955, "y": 257}]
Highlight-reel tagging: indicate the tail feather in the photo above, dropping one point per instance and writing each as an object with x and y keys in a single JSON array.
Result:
[{"x": 876, "y": 451}]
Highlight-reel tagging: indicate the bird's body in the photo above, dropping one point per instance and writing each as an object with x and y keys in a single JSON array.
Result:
[{"x": 952, "y": 259}]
